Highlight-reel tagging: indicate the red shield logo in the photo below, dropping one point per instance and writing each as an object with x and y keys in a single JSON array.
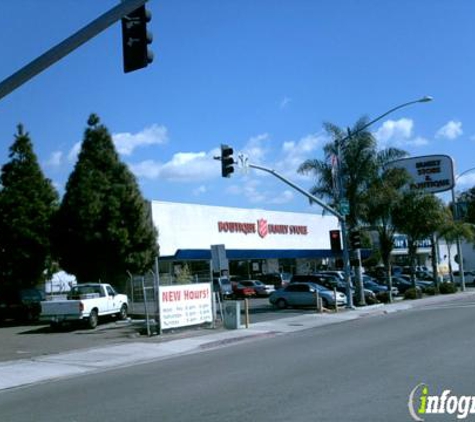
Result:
[{"x": 262, "y": 228}]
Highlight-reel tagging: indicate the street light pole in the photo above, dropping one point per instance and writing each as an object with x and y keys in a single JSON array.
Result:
[
  {"x": 424, "y": 99},
  {"x": 459, "y": 246},
  {"x": 340, "y": 193}
]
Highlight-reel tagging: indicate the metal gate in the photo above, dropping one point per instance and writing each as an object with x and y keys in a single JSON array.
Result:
[{"x": 142, "y": 291}]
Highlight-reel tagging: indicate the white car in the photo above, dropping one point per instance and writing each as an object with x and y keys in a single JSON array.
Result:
[{"x": 304, "y": 294}]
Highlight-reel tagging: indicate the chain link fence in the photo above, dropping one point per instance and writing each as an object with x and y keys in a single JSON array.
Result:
[{"x": 142, "y": 291}]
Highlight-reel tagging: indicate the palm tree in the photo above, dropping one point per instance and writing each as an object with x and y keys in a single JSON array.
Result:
[
  {"x": 379, "y": 204},
  {"x": 452, "y": 230},
  {"x": 351, "y": 161},
  {"x": 359, "y": 164}
]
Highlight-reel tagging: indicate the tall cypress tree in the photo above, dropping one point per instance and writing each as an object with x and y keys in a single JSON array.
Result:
[
  {"x": 103, "y": 227},
  {"x": 27, "y": 203}
]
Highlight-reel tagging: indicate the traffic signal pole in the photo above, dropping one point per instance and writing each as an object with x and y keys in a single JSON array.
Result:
[
  {"x": 341, "y": 218},
  {"x": 226, "y": 158},
  {"x": 67, "y": 46}
]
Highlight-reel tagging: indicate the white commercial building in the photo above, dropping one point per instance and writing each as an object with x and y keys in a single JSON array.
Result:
[{"x": 256, "y": 241}]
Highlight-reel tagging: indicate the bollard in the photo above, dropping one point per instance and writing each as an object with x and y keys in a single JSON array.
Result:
[
  {"x": 246, "y": 309},
  {"x": 318, "y": 302},
  {"x": 336, "y": 305}
]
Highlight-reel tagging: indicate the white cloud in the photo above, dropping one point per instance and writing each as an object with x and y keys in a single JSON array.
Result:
[
  {"x": 200, "y": 190},
  {"x": 126, "y": 142},
  {"x": 256, "y": 148},
  {"x": 249, "y": 189},
  {"x": 450, "y": 130},
  {"x": 283, "y": 198},
  {"x": 295, "y": 153},
  {"x": 252, "y": 190},
  {"x": 395, "y": 131},
  {"x": 285, "y": 102},
  {"x": 57, "y": 185},
  {"x": 417, "y": 142},
  {"x": 398, "y": 133},
  {"x": 147, "y": 169},
  {"x": 74, "y": 152},
  {"x": 183, "y": 167},
  {"x": 55, "y": 159}
]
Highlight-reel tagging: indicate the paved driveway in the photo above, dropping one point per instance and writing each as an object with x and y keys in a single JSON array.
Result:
[{"x": 25, "y": 341}]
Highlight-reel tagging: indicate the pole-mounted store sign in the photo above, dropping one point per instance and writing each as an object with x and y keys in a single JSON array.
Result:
[{"x": 430, "y": 173}]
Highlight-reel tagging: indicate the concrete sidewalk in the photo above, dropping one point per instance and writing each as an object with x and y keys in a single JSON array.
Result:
[{"x": 40, "y": 369}]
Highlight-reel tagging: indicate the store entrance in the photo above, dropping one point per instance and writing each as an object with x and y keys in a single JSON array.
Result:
[{"x": 249, "y": 269}]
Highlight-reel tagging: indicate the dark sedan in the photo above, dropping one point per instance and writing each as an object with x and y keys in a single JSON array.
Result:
[
  {"x": 402, "y": 283},
  {"x": 21, "y": 304}
]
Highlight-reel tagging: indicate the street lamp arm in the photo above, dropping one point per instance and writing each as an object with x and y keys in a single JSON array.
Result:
[
  {"x": 382, "y": 116},
  {"x": 464, "y": 172}
]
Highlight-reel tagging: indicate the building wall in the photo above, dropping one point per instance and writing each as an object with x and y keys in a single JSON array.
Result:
[
  {"x": 191, "y": 226},
  {"x": 468, "y": 253}
]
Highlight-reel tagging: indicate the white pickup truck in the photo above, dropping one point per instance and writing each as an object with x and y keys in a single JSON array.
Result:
[{"x": 85, "y": 303}]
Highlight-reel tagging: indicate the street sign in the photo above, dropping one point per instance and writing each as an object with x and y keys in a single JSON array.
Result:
[
  {"x": 219, "y": 260},
  {"x": 344, "y": 207}
]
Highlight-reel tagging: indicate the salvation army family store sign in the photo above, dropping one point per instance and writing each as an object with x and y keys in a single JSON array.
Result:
[
  {"x": 185, "y": 305},
  {"x": 430, "y": 173}
]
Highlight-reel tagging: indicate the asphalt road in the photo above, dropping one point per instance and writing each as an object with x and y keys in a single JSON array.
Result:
[{"x": 363, "y": 370}]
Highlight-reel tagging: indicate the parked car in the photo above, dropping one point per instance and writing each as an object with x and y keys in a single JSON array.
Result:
[
  {"x": 261, "y": 289},
  {"x": 371, "y": 284},
  {"x": 402, "y": 283},
  {"x": 336, "y": 273},
  {"x": 469, "y": 277},
  {"x": 423, "y": 284},
  {"x": 85, "y": 303},
  {"x": 420, "y": 272},
  {"x": 242, "y": 292},
  {"x": 303, "y": 294},
  {"x": 331, "y": 280},
  {"x": 21, "y": 304},
  {"x": 278, "y": 280},
  {"x": 313, "y": 278},
  {"x": 223, "y": 286}
]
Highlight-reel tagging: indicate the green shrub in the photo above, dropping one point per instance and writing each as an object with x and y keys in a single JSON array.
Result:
[
  {"x": 447, "y": 288},
  {"x": 412, "y": 294},
  {"x": 383, "y": 297},
  {"x": 431, "y": 290},
  {"x": 371, "y": 300}
]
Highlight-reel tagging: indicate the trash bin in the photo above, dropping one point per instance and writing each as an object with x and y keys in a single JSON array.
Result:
[{"x": 232, "y": 314}]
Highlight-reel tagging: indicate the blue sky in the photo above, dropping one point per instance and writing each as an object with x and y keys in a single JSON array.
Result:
[{"x": 260, "y": 75}]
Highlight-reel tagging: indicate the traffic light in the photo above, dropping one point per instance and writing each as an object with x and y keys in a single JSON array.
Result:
[
  {"x": 135, "y": 39},
  {"x": 355, "y": 239},
  {"x": 227, "y": 161},
  {"x": 335, "y": 241}
]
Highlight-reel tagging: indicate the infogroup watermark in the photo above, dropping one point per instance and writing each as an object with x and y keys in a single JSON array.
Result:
[{"x": 422, "y": 403}]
